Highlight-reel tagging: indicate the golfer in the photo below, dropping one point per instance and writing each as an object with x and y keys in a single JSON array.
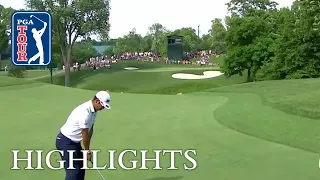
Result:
[{"x": 79, "y": 127}]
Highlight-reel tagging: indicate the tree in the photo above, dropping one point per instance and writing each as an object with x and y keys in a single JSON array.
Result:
[
  {"x": 16, "y": 71},
  {"x": 190, "y": 41},
  {"x": 72, "y": 19},
  {"x": 307, "y": 33},
  {"x": 155, "y": 29},
  {"x": 83, "y": 51},
  {"x": 132, "y": 42},
  {"x": 157, "y": 32},
  {"x": 242, "y": 7},
  {"x": 5, "y": 14},
  {"x": 248, "y": 36},
  {"x": 296, "y": 46},
  {"x": 108, "y": 52},
  {"x": 205, "y": 43},
  {"x": 159, "y": 43},
  {"x": 56, "y": 61},
  {"x": 146, "y": 43},
  {"x": 284, "y": 46},
  {"x": 218, "y": 36}
]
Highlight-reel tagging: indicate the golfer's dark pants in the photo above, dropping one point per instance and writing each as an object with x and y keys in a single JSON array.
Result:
[{"x": 64, "y": 144}]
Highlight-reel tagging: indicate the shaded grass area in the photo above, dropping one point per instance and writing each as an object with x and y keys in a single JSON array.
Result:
[
  {"x": 299, "y": 97},
  {"x": 286, "y": 112},
  {"x": 38, "y": 73},
  {"x": 33, "y": 74},
  {"x": 140, "y": 121},
  {"x": 77, "y": 76},
  {"x": 246, "y": 114},
  {"x": 150, "y": 78},
  {"x": 152, "y": 82},
  {"x": 245, "y": 111},
  {"x": 10, "y": 81}
]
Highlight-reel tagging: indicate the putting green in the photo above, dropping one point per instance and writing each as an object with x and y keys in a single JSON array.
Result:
[
  {"x": 152, "y": 122},
  {"x": 181, "y": 68},
  {"x": 263, "y": 130}
]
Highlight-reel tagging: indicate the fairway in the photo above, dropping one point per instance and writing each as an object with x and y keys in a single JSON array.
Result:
[
  {"x": 216, "y": 118},
  {"x": 230, "y": 92},
  {"x": 152, "y": 126},
  {"x": 149, "y": 78},
  {"x": 34, "y": 74}
]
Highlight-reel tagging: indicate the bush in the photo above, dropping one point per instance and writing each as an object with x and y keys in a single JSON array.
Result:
[{"x": 15, "y": 71}]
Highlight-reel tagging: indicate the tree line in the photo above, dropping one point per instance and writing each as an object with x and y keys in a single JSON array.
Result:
[
  {"x": 272, "y": 43},
  {"x": 260, "y": 40}
]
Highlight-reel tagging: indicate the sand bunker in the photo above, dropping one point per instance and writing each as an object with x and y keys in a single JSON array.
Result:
[
  {"x": 206, "y": 75},
  {"x": 131, "y": 68}
]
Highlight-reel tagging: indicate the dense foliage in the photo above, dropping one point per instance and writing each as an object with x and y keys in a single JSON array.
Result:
[
  {"x": 258, "y": 38},
  {"x": 273, "y": 43}
]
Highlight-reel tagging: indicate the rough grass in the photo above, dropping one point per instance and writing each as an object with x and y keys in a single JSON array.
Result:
[
  {"x": 262, "y": 130},
  {"x": 139, "y": 121},
  {"x": 286, "y": 112},
  {"x": 10, "y": 81},
  {"x": 299, "y": 97},
  {"x": 151, "y": 78},
  {"x": 34, "y": 74},
  {"x": 152, "y": 82}
]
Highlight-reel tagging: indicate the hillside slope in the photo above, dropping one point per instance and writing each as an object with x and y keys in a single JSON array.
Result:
[{"x": 140, "y": 121}]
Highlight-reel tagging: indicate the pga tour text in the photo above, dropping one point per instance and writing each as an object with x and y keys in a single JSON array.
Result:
[
  {"x": 39, "y": 155},
  {"x": 22, "y": 39}
]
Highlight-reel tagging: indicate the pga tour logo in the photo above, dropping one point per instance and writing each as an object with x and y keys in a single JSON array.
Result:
[{"x": 31, "y": 38}]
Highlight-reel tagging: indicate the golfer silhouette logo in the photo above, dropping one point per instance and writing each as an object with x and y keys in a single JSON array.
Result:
[
  {"x": 31, "y": 38},
  {"x": 37, "y": 37}
]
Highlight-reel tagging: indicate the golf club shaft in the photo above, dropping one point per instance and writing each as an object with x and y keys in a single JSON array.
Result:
[
  {"x": 38, "y": 18},
  {"x": 99, "y": 172}
]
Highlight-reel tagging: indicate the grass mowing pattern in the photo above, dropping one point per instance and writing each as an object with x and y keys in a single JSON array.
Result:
[
  {"x": 150, "y": 82},
  {"x": 297, "y": 97},
  {"x": 148, "y": 121},
  {"x": 78, "y": 76},
  {"x": 10, "y": 81},
  {"x": 33, "y": 74},
  {"x": 286, "y": 112},
  {"x": 280, "y": 95},
  {"x": 151, "y": 78}
]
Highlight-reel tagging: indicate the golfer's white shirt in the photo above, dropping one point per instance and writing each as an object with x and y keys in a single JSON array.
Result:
[{"x": 83, "y": 116}]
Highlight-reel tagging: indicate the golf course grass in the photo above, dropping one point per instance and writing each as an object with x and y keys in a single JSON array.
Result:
[
  {"x": 149, "y": 78},
  {"x": 247, "y": 131}
]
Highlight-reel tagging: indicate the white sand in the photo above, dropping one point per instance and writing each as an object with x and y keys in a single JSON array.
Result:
[
  {"x": 206, "y": 75},
  {"x": 131, "y": 68}
]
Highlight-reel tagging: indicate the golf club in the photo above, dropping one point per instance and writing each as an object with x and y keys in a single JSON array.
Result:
[
  {"x": 99, "y": 173},
  {"x": 36, "y": 18}
]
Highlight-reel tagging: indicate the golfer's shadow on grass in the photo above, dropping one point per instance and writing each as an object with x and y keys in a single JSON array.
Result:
[{"x": 166, "y": 178}]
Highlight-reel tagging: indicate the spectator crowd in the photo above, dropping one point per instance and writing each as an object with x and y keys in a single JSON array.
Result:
[{"x": 201, "y": 58}]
